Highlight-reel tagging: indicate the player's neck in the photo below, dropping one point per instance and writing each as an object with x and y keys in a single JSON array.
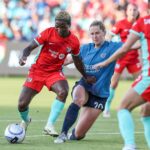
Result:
[
  {"x": 99, "y": 45},
  {"x": 131, "y": 20}
]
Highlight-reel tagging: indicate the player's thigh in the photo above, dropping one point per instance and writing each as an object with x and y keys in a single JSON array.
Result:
[
  {"x": 80, "y": 95},
  {"x": 57, "y": 82},
  {"x": 86, "y": 119},
  {"x": 30, "y": 88},
  {"x": 60, "y": 85},
  {"x": 131, "y": 100}
]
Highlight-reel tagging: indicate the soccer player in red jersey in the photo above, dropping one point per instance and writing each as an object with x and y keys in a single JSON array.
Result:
[
  {"x": 56, "y": 43},
  {"x": 130, "y": 61},
  {"x": 139, "y": 93}
]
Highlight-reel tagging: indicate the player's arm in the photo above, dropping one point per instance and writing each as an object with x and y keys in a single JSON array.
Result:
[
  {"x": 121, "y": 52},
  {"x": 80, "y": 66},
  {"x": 26, "y": 52},
  {"x": 136, "y": 45},
  {"x": 68, "y": 60}
]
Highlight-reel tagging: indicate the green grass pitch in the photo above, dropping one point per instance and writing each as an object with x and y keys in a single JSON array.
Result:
[{"x": 104, "y": 135}]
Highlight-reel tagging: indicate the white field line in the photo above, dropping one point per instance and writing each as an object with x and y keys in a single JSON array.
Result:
[
  {"x": 60, "y": 120},
  {"x": 90, "y": 133}
]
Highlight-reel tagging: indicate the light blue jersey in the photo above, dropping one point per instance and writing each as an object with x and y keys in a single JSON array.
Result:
[{"x": 91, "y": 56}]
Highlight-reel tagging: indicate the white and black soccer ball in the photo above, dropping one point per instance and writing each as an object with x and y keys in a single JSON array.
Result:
[{"x": 14, "y": 133}]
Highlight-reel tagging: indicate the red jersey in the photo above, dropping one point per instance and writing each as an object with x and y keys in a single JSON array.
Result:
[
  {"x": 142, "y": 29},
  {"x": 122, "y": 29},
  {"x": 54, "y": 51}
]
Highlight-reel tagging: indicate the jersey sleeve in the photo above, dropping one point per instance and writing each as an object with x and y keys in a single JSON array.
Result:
[
  {"x": 76, "y": 48},
  {"x": 42, "y": 37},
  {"x": 137, "y": 27}
]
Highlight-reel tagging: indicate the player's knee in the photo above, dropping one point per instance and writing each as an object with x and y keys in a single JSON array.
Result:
[
  {"x": 62, "y": 94},
  {"x": 79, "y": 101},
  {"x": 24, "y": 100},
  {"x": 79, "y": 136},
  {"x": 22, "y": 105}
]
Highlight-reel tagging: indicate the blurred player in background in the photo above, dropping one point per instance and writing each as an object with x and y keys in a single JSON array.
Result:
[
  {"x": 130, "y": 61},
  {"x": 56, "y": 43},
  {"x": 91, "y": 97},
  {"x": 139, "y": 93}
]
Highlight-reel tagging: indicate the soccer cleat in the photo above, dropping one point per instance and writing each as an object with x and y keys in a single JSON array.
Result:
[
  {"x": 61, "y": 138},
  {"x": 25, "y": 124},
  {"x": 50, "y": 130},
  {"x": 129, "y": 147},
  {"x": 106, "y": 114}
]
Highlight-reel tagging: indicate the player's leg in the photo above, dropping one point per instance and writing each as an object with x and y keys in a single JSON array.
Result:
[
  {"x": 80, "y": 97},
  {"x": 61, "y": 89},
  {"x": 145, "y": 113},
  {"x": 126, "y": 124},
  {"x": 134, "y": 97},
  {"x": 91, "y": 110},
  {"x": 29, "y": 90},
  {"x": 87, "y": 117},
  {"x": 23, "y": 105},
  {"x": 114, "y": 83}
]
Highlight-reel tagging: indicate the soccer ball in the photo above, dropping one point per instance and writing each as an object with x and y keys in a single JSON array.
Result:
[{"x": 14, "y": 133}]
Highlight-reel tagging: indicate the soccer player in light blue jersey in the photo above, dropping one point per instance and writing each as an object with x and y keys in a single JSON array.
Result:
[
  {"x": 92, "y": 97},
  {"x": 139, "y": 93}
]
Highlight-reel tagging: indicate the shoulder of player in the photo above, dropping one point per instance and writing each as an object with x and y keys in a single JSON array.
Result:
[
  {"x": 87, "y": 45},
  {"x": 73, "y": 36},
  {"x": 112, "y": 43},
  {"x": 48, "y": 30},
  {"x": 141, "y": 20},
  {"x": 120, "y": 22}
]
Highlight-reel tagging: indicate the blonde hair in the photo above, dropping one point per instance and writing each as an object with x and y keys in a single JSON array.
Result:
[{"x": 64, "y": 16}]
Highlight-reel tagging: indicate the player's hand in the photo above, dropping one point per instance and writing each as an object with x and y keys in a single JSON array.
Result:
[
  {"x": 99, "y": 65},
  {"x": 22, "y": 60},
  {"x": 90, "y": 79}
]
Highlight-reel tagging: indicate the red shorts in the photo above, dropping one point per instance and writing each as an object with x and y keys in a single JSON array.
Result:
[
  {"x": 132, "y": 66},
  {"x": 37, "y": 83},
  {"x": 142, "y": 86}
]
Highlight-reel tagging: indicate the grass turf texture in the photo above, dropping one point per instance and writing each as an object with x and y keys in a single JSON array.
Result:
[{"x": 104, "y": 135}]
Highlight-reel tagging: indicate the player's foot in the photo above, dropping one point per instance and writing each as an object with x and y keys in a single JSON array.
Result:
[
  {"x": 50, "y": 130},
  {"x": 129, "y": 147},
  {"x": 61, "y": 138},
  {"x": 106, "y": 114},
  {"x": 25, "y": 124}
]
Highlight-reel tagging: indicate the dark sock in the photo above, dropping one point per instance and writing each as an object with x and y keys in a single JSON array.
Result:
[
  {"x": 71, "y": 117},
  {"x": 73, "y": 137}
]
